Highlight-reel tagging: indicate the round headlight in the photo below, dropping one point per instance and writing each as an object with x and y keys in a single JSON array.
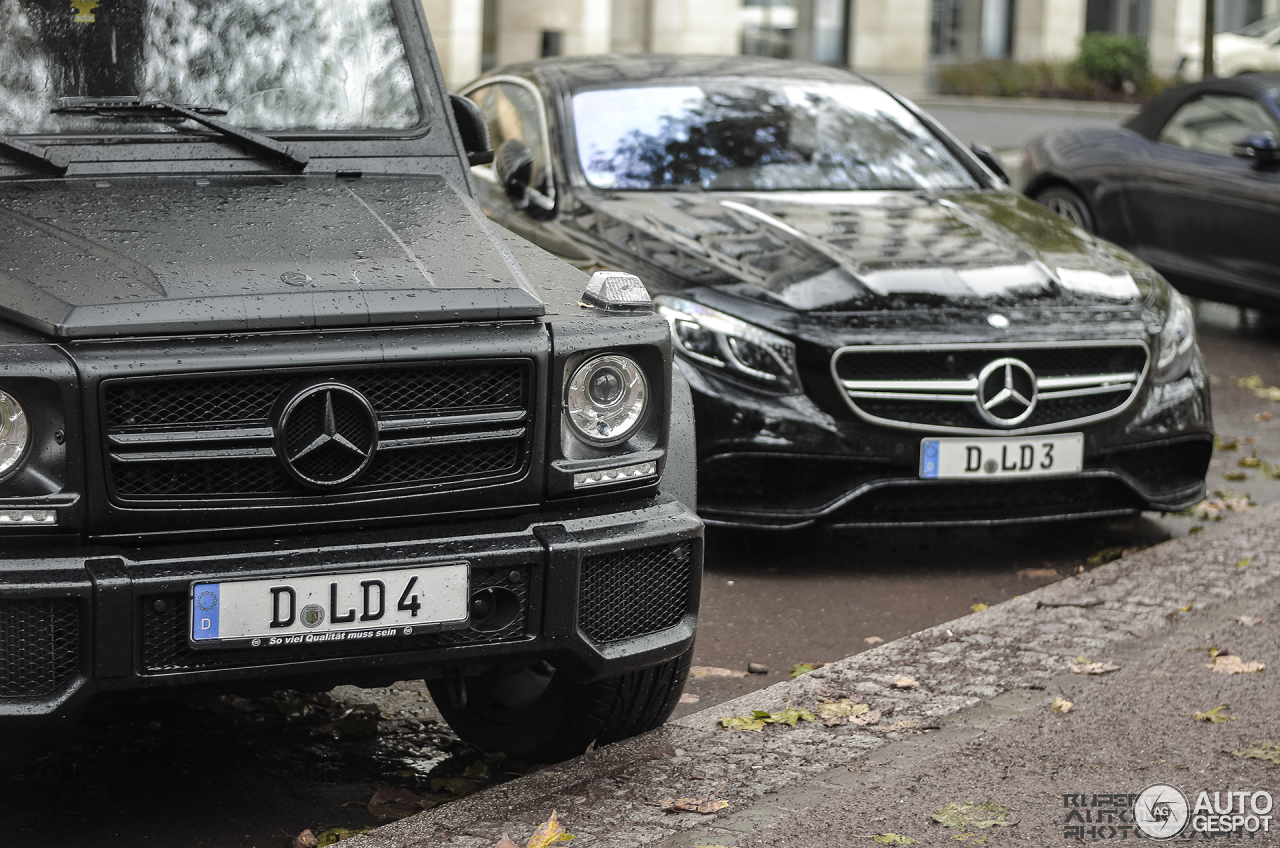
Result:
[
  {"x": 14, "y": 434},
  {"x": 607, "y": 399}
]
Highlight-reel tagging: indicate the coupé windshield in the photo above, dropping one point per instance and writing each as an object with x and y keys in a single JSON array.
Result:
[
  {"x": 270, "y": 64},
  {"x": 758, "y": 136}
]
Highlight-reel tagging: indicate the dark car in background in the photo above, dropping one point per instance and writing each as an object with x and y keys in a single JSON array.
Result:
[
  {"x": 1191, "y": 185},
  {"x": 280, "y": 408},
  {"x": 876, "y": 330}
]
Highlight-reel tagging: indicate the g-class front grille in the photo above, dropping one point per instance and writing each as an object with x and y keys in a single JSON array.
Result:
[
  {"x": 291, "y": 434},
  {"x": 634, "y": 593},
  {"x": 957, "y": 388}
]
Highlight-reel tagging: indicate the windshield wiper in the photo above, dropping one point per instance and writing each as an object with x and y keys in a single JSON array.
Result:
[
  {"x": 35, "y": 157},
  {"x": 251, "y": 141}
]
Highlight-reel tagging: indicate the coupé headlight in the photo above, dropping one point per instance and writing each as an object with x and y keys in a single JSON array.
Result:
[
  {"x": 713, "y": 338},
  {"x": 1177, "y": 340},
  {"x": 14, "y": 434},
  {"x": 607, "y": 399}
]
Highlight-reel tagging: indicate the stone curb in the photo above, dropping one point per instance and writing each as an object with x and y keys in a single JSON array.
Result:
[{"x": 975, "y": 672}]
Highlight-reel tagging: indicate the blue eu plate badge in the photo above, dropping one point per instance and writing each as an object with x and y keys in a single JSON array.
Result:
[
  {"x": 204, "y": 611},
  {"x": 929, "y": 459}
]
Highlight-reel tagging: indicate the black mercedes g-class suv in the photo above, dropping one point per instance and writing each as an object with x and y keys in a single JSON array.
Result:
[{"x": 279, "y": 408}]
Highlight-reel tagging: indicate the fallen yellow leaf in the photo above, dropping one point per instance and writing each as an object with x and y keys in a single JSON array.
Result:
[
  {"x": 1061, "y": 705},
  {"x": 1231, "y": 664},
  {"x": 1244, "y": 563},
  {"x": 905, "y": 683},
  {"x": 1215, "y": 715},
  {"x": 979, "y": 607},
  {"x": 549, "y": 833}
]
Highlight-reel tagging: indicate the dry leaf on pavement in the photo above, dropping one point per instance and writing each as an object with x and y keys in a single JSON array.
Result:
[
  {"x": 1231, "y": 664},
  {"x": 306, "y": 839},
  {"x": 867, "y": 719},
  {"x": 1093, "y": 667},
  {"x": 712, "y": 671},
  {"x": 687, "y": 698},
  {"x": 905, "y": 683},
  {"x": 1214, "y": 716},
  {"x": 1061, "y": 705},
  {"x": 979, "y": 607},
  {"x": 834, "y": 713},
  {"x": 706, "y": 806},
  {"x": 873, "y": 640},
  {"x": 804, "y": 668},
  {"x": 549, "y": 833},
  {"x": 1261, "y": 750},
  {"x": 1249, "y": 620},
  {"x": 1245, "y": 563}
]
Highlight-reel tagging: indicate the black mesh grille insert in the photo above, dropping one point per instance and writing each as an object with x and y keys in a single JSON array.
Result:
[
  {"x": 204, "y": 404},
  {"x": 632, "y": 593},
  {"x": 39, "y": 646},
  {"x": 1164, "y": 468},
  {"x": 165, "y": 648},
  {"x": 248, "y": 399}
]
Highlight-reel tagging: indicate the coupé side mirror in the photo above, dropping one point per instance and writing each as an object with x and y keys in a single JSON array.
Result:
[
  {"x": 515, "y": 171},
  {"x": 988, "y": 157},
  {"x": 474, "y": 130},
  {"x": 1261, "y": 147}
]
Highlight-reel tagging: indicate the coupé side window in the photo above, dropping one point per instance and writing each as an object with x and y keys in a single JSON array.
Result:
[
  {"x": 1212, "y": 123},
  {"x": 512, "y": 111}
]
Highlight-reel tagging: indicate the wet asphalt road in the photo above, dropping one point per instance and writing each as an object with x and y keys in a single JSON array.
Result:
[{"x": 232, "y": 773}]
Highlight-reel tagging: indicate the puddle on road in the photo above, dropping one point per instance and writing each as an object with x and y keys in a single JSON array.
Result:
[{"x": 233, "y": 772}]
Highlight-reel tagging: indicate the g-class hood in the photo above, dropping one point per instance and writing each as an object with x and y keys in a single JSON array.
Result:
[
  {"x": 145, "y": 256},
  {"x": 872, "y": 251}
]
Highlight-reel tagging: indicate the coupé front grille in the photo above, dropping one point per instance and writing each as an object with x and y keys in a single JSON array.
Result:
[
  {"x": 214, "y": 436},
  {"x": 936, "y": 388}
]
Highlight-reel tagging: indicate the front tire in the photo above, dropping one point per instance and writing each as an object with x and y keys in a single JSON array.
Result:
[
  {"x": 539, "y": 715},
  {"x": 1068, "y": 204}
]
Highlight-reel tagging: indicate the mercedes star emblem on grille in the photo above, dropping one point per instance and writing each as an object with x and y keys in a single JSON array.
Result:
[
  {"x": 1006, "y": 392},
  {"x": 326, "y": 435}
]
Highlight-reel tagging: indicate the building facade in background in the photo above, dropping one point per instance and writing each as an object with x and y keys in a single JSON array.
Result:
[{"x": 896, "y": 41}]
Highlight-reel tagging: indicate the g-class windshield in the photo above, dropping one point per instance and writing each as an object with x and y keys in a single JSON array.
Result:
[{"x": 275, "y": 65}]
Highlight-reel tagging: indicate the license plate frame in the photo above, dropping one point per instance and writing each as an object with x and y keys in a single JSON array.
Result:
[
  {"x": 441, "y": 589},
  {"x": 1002, "y": 458}
]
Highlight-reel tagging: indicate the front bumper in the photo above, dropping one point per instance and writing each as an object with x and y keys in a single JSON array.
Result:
[
  {"x": 787, "y": 463},
  {"x": 81, "y": 626}
]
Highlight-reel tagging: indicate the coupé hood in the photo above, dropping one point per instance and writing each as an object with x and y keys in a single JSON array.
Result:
[
  {"x": 145, "y": 256},
  {"x": 874, "y": 251}
]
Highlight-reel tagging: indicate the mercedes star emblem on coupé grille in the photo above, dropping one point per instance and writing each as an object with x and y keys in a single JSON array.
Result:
[
  {"x": 326, "y": 435},
  {"x": 1006, "y": 392}
]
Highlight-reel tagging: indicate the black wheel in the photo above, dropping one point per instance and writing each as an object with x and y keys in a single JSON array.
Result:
[
  {"x": 539, "y": 716},
  {"x": 1067, "y": 203}
]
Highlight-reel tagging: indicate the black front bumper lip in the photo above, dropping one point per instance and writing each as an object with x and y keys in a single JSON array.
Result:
[
  {"x": 767, "y": 519},
  {"x": 117, "y": 594}
]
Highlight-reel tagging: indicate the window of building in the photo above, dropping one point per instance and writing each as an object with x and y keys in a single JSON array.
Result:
[
  {"x": 811, "y": 30},
  {"x": 1122, "y": 17}
]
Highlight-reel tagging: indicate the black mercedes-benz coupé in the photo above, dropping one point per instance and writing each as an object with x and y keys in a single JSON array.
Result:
[{"x": 876, "y": 329}]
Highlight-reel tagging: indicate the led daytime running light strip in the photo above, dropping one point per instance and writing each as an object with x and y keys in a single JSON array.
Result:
[{"x": 615, "y": 475}]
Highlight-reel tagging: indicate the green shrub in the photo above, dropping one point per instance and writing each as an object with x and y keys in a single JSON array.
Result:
[{"x": 1114, "y": 60}]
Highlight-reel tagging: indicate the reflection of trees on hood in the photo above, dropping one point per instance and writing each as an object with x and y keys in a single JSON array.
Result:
[
  {"x": 274, "y": 64},
  {"x": 758, "y": 138}
]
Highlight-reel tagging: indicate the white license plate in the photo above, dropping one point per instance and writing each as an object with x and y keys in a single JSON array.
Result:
[
  {"x": 979, "y": 459},
  {"x": 330, "y": 608}
]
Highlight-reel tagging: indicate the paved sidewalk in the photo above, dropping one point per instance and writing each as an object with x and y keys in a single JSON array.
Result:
[{"x": 978, "y": 729}]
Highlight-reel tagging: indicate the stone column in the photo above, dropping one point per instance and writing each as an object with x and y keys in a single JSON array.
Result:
[
  {"x": 1175, "y": 26},
  {"x": 1047, "y": 30},
  {"x": 890, "y": 42},
  {"x": 696, "y": 26},
  {"x": 584, "y": 27},
  {"x": 457, "y": 29}
]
